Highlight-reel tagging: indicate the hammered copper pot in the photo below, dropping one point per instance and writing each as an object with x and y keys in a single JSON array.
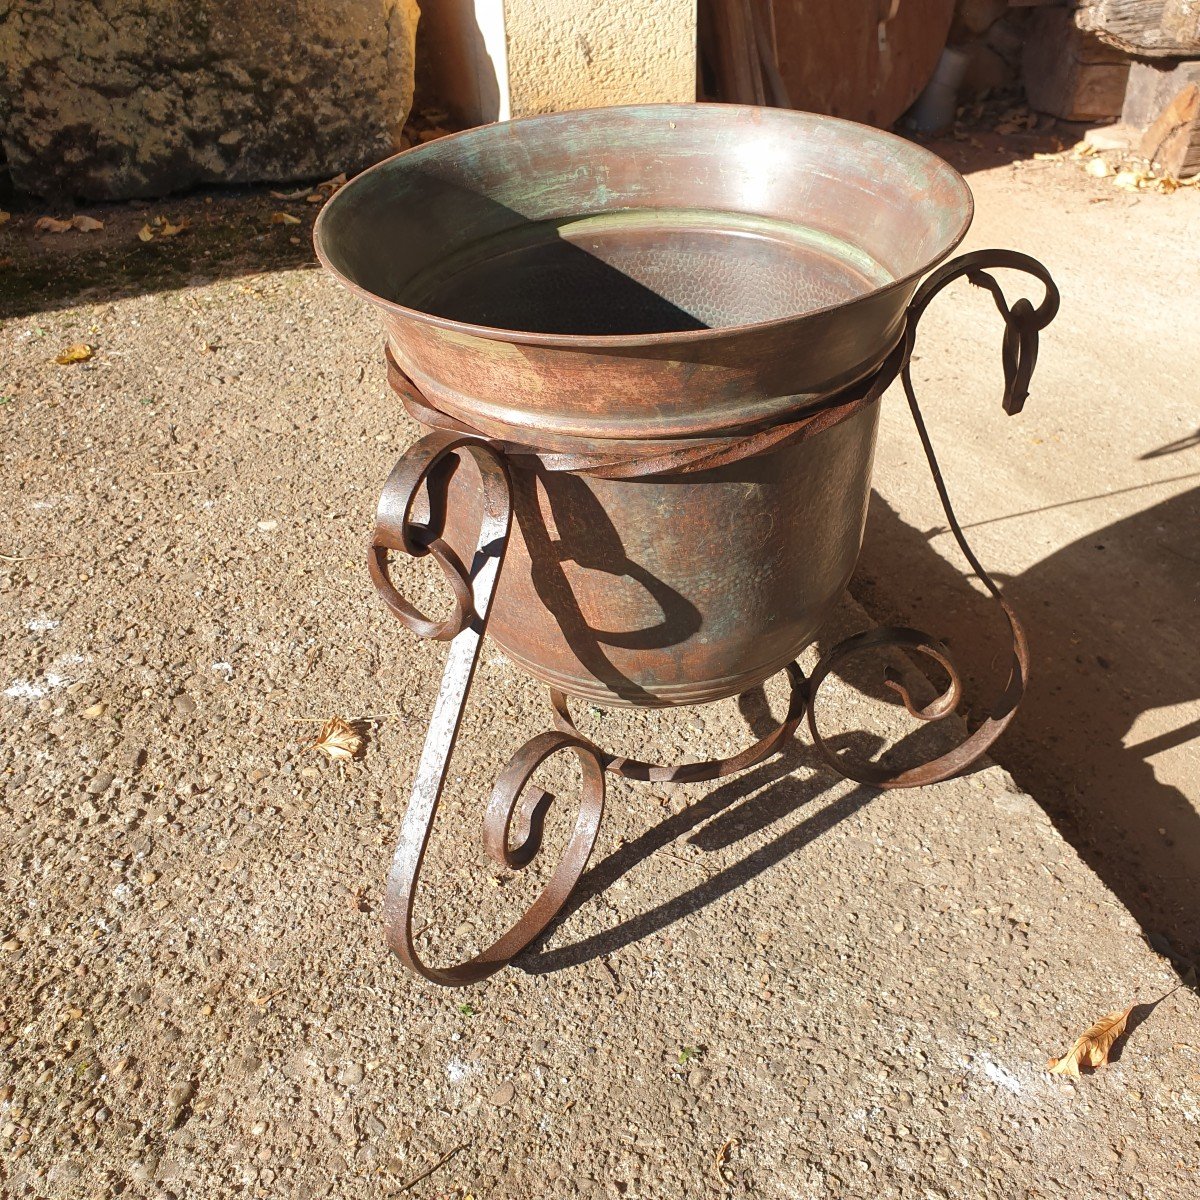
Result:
[
  {"x": 629, "y": 279},
  {"x": 649, "y": 346}
]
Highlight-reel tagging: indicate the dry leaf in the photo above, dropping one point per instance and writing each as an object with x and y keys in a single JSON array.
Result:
[
  {"x": 5, "y": 217},
  {"x": 146, "y": 233},
  {"x": 51, "y": 225},
  {"x": 78, "y": 353},
  {"x": 86, "y": 224},
  {"x": 1129, "y": 181},
  {"x": 282, "y": 218},
  {"x": 339, "y": 740},
  {"x": 721, "y": 1158},
  {"x": 333, "y": 184},
  {"x": 169, "y": 230},
  {"x": 1098, "y": 168},
  {"x": 1092, "y": 1047}
]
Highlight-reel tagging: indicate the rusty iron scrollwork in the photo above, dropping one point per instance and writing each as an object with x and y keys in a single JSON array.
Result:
[
  {"x": 512, "y": 827},
  {"x": 1022, "y": 324}
]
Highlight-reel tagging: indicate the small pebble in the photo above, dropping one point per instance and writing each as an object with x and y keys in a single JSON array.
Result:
[
  {"x": 503, "y": 1095},
  {"x": 348, "y": 1076},
  {"x": 100, "y": 783},
  {"x": 268, "y": 526},
  {"x": 987, "y": 1006}
]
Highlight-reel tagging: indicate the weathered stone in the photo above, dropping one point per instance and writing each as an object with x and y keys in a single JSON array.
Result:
[{"x": 123, "y": 98}]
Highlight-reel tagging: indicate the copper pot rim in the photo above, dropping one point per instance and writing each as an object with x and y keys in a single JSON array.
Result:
[{"x": 570, "y": 341}]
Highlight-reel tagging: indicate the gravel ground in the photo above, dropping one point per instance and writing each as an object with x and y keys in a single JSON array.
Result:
[{"x": 780, "y": 985}]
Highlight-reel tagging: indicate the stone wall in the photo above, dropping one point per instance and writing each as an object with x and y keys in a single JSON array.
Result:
[
  {"x": 591, "y": 53},
  {"x": 121, "y": 98}
]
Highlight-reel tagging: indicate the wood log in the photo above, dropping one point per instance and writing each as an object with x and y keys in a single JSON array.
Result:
[
  {"x": 1181, "y": 21},
  {"x": 1146, "y": 28},
  {"x": 1153, "y": 83},
  {"x": 737, "y": 65},
  {"x": 1172, "y": 143},
  {"x": 1070, "y": 74}
]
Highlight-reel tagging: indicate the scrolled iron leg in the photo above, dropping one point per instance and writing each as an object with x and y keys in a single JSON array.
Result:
[
  {"x": 508, "y": 816},
  {"x": 1022, "y": 324}
]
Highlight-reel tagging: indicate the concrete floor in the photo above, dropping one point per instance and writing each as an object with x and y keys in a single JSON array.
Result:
[
  {"x": 778, "y": 985},
  {"x": 1087, "y": 506}
]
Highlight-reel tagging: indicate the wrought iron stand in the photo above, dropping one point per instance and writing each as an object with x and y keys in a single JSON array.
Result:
[{"x": 512, "y": 827}]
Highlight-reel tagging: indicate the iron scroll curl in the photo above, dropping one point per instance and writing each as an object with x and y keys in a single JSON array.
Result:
[
  {"x": 1022, "y": 324},
  {"x": 512, "y": 827}
]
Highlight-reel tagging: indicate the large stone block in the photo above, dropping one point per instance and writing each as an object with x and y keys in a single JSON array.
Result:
[
  {"x": 120, "y": 98},
  {"x": 590, "y": 53}
]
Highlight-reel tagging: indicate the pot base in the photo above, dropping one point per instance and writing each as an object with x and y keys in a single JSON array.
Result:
[{"x": 681, "y": 695}]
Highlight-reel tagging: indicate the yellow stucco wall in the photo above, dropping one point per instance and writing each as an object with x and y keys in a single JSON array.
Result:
[{"x": 583, "y": 53}]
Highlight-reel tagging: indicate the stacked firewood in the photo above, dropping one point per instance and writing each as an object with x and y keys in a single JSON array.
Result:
[{"x": 1136, "y": 60}]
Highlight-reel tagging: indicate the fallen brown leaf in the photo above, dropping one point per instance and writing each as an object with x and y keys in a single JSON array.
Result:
[
  {"x": 146, "y": 233},
  {"x": 51, "y": 225},
  {"x": 80, "y": 352},
  {"x": 339, "y": 741},
  {"x": 1092, "y": 1046},
  {"x": 5, "y": 217},
  {"x": 283, "y": 218},
  {"x": 86, "y": 224},
  {"x": 169, "y": 230},
  {"x": 721, "y": 1158}
]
